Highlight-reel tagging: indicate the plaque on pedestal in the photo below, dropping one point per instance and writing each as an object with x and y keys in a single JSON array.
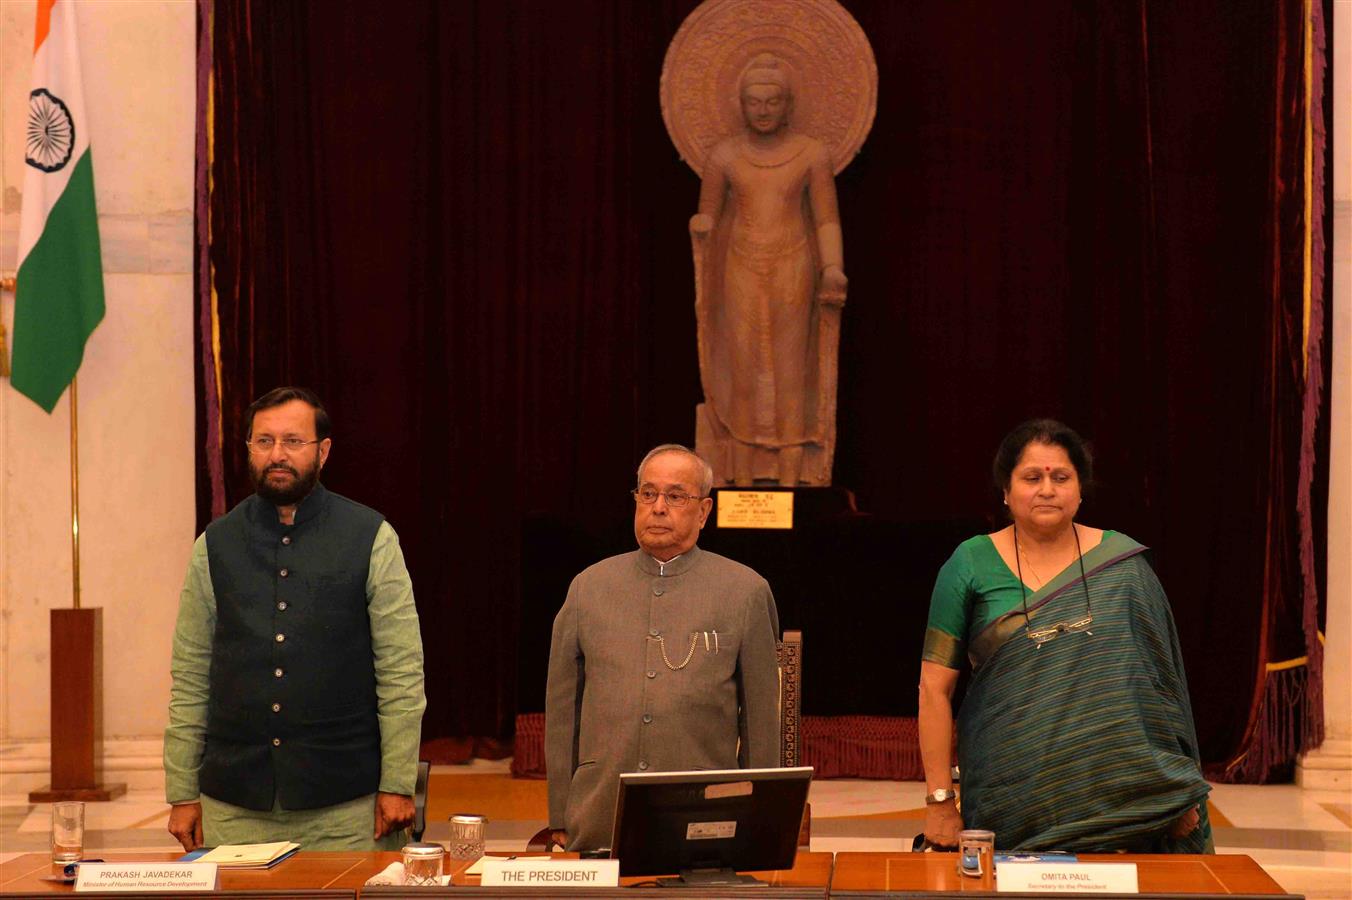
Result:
[{"x": 739, "y": 508}]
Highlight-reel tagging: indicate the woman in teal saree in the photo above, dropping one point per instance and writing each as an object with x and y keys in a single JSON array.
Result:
[{"x": 1076, "y": 732}]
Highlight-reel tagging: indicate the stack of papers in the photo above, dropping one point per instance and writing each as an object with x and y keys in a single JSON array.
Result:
[{"x": 245, "y": 856}]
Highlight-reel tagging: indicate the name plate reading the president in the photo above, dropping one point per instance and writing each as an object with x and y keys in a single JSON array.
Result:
[
  {"x": 552, "y": 873},
  {"x": 1066, "y": 878},
  {"x": 755, "y": 509},
  {"x": 174, "y": 877}
]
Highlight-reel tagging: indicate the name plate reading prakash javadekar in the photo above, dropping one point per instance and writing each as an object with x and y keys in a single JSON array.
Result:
[{"x": 755, "y": 509}]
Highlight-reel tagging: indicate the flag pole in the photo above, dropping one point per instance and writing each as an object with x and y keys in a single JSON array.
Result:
[
  {"x": 75, "y": 490},
  {"x": 6, "y": 286},
  {"x": 62, "y": 303},
  {"x": 76, "y": 672}
]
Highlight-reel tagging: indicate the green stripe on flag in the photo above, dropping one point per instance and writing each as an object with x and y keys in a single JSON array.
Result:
[{"x": 60, "y": 293}]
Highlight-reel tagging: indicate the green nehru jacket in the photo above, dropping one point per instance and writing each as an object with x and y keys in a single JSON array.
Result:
[{"x": 395, "y": 660}]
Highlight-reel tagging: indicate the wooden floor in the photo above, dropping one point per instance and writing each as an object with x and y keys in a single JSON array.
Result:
[{"x": 490, "y": 794}]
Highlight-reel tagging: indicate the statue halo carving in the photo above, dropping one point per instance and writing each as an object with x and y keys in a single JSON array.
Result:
[{"x": 828, "y": 58}]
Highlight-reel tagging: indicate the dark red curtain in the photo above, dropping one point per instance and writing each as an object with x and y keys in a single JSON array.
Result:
[{"x": 464, "y": 225}]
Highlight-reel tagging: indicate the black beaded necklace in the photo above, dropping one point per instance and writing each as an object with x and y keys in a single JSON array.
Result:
[{"x": 1042, "y": 635}]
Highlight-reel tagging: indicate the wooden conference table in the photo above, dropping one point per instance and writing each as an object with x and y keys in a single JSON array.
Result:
[
  {"x": 815, "y": 875},
  {"x": 336, "y": 874}
]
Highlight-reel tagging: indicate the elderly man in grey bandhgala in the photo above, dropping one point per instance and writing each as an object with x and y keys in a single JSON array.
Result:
[{"x": 662, "y": 659}]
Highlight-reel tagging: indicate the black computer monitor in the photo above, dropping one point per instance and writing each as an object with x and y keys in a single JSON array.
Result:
[{"x": 708, "y": 825}]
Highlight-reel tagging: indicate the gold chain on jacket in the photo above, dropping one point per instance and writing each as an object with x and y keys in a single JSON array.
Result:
[{"x": 662, "y": 645}]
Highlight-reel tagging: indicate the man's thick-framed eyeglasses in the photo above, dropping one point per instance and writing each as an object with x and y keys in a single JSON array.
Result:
[
  {"x": 675, "y": 499},
  {"x": 265, "y": 444}
]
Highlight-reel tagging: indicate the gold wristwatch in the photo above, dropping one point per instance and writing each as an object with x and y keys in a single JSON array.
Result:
[{"x": 940, "y": 796}]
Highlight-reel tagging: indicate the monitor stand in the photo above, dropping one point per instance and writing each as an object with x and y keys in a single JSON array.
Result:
[{"x": 710, "y": 878}]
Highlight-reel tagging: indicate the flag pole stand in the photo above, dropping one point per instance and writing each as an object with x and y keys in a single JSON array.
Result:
[{"x": 77, "y": 674}]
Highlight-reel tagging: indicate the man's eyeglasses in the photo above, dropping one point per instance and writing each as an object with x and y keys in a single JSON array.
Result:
[
  {"x": 265, "y": 443},
  {"x": 675, "y": 499}
]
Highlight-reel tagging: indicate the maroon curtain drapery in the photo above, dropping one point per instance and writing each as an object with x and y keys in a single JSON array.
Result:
[
  {"x": 464, "y": 225},
  {"x": 1286, "y": 713}
]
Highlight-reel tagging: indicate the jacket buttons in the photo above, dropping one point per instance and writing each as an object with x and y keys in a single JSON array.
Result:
[
  {"x": 284, "y": 572},
  {"x": 281, "y": 605},
  {"x": 277, "y": 672},
  {"x": 276, "y": 742},
  {"x": 643, "y": 765},
  {"x": 276, "y": 707},
  {"x": 657, "y": 592},
  {"x": 286, "y": 539},
  {"x": 651, "y": 673},
  {"x": 647, "y": 718},
  {"x": 280, "y": 637}
]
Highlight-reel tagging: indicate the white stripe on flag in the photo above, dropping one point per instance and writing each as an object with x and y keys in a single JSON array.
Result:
[{"x": 56, "y": 67}]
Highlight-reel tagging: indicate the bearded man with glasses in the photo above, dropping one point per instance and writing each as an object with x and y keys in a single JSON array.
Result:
[
  {"x": 297, "y": 695},
  {"x": 662, "y": 659}
]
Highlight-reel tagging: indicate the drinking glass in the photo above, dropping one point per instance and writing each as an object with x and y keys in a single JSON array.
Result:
[
  {"x": 976, "y": 854},
  {"x": 68, "y": 820},
  {"x": 422, "y": 863},
  {"x": 467, "y": 836}
]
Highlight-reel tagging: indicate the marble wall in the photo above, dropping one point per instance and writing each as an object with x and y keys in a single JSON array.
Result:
[{"x": 136, "y": 427}]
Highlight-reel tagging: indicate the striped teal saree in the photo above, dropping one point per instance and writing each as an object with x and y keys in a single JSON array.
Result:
[{"x": 1085, "y": 742}]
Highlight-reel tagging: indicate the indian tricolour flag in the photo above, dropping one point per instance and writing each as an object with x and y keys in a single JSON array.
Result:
[{"x": 59, "y": 291}]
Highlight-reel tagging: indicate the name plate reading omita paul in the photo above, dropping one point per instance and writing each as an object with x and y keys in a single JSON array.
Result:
[
  {"x": 1066, "y": 878},
  {"x": 755, "y": 509}
]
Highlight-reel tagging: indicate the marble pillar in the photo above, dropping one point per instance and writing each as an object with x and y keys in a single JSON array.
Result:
[{"x": 1330, "y": 766}]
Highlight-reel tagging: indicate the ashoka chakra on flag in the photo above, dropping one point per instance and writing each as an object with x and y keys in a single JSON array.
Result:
[{"x": 51, "y": 132}]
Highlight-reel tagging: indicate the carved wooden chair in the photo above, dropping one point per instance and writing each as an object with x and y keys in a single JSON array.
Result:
[{"x": 790, "y": 716}]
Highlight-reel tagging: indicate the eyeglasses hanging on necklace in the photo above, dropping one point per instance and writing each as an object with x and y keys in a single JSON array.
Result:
[{"x": 1040, "y": 636}]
